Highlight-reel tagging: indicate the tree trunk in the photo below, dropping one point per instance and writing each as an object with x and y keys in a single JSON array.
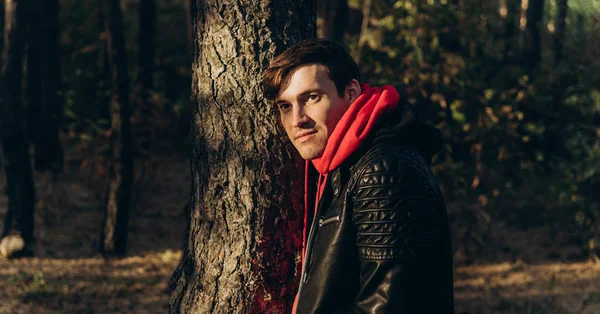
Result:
[
  {"x": 593, "y": 49},
  {"x": 362, "y": 38},
  {"x": 146, "y": 53},
  {"x": 105, "y": 82},
  {"x": 34, "y": 71},
  {"x": 332, "y": 17},
  {"x": 48, "y": 152},
  {"x": 188, "y": 21},
  {"x": 511, "y": 29},
  {"x": 147, "y": 34},
  {"x": 559, "y": 35},
  {"x": 558, "y": 88},
  {"x": 245, "y": 223},
  {"x": 533, "y": 35},
  {"x": 19, "y": 179},
  {"x": 1, "y": 25},
  {"x": 114, "y": 237}
]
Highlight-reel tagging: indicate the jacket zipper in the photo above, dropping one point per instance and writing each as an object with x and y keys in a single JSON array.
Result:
[
  {"x": 309, "y": 243},
  {"x": 328, "y": 220},
  {"x": 311, "y": 236},
  {"x": 304, "y": 273}
]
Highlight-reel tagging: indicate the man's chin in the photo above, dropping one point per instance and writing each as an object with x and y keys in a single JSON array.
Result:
[{"x": 310, "y": 155}]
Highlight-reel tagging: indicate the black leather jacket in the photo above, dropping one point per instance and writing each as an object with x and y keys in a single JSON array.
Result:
[{"x": 380, "y": 242}]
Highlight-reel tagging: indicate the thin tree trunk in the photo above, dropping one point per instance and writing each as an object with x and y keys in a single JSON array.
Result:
[
  {"x": 533, "y": 35},
  {"x": 559, "y": 78},
  {"x": 1, "y": 25},
  {"x": 19, "y": 179},
  {"x": 593, "y": 49},
  {"x": 34, "y": 66},
  {"x": 363, "y": 29},
  {"x": 332, "y": 17},
  {"x": 188, "y": 21},
  {"x": 48, "y": 151},
  {"x": 114, "y": 237},
  {"x": 34, "y": 71},
  {"x": 245, "y": 225},
  {"x": 559, "y": 35},
  {"x": 146, "y": 53},
  {"x": 104, "y": 83},
  {"x": 511, "y": 28},
  {"x": 147, "y": 34}
]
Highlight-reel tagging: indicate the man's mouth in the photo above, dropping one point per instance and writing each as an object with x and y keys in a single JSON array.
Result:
[{"x": 305, "y": 136}]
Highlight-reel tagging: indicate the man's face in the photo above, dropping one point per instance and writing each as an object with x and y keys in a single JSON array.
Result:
[{"x": 310, "y": 108}]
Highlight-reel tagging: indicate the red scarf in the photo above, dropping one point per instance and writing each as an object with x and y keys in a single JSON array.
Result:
[{"x": 350, "y": 132}]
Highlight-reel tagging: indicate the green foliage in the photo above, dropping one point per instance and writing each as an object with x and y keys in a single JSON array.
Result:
[{"x": 514, "y": 135}]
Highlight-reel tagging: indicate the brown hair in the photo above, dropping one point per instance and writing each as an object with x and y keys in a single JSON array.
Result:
[{"x": 338, "y": 63}]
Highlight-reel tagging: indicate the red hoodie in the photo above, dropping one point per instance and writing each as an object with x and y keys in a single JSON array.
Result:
[{"x": 349, "y": 134}]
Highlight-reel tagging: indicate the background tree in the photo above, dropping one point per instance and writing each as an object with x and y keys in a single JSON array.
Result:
[
  {"x": 34, "y": 73},
  {"x": 20, "y": 189},
  {"x": 332, "y": 17},
  {"x": 188, "y": 22},
  {"x": 49, "y": 154},
  {"x": 511, "y": 13},
  {"x": 533, "y": 34},
  {"x": 244, "y": 236},
  {"x": 146, "y": 49},
  {"x": 44, "y": 86},
  {"x": 145, "y": 79},
  {"x": 362, "y": 37},
  {"x": 560, "y": 29},
  {"x": 114, "y": 235},
  {"x": 1, "y": 23}
]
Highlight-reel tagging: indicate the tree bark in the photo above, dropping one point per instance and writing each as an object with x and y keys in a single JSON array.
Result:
[
  {"x": 147, "y": 34},
  {"x": 34, "y": 67},
  {"x": 533, "y": 35},
  {"x": 114, "y": 236},
  {"x": 1, "y": 25},
  {"x": 188, "y": 21},
  {"x": 145, "y": 79},
  {"x": 241, "y": 254},
  {"x": 559, "y": 34},
  {"x": 19, "y": 179},
  {"x": 366, "y": 10},
  {"x": 332, "y": 17},
  {"x": 511, "y": 28},
  {"x": 105, "y": 81},
  {"x": 48, "y": 154}
]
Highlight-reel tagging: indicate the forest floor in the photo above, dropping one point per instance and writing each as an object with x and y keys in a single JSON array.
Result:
[{"x": 69, "y": 276}]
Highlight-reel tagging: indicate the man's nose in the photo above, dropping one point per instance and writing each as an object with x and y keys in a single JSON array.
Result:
[{"x": 299, "y": 116}]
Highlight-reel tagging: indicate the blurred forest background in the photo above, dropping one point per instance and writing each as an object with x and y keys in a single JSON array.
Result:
[{"x": 96, "y": 94}]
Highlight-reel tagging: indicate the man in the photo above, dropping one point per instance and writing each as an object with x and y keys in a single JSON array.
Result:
[{"x": 379, "y": 241}]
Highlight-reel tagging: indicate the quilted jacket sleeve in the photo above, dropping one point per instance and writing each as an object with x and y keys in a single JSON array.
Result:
[{"x": 397, "y": 219}]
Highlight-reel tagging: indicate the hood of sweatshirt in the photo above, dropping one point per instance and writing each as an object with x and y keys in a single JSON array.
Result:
[
  {"x": 354, "y": 128},
  {"x": 356, "y": 125},
  {"x": 402, "y": 126}
]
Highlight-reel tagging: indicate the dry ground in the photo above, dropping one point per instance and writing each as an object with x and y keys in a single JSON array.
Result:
[
  {"x": 521, "y": 288},
  {"x": 68, "y": 276}
]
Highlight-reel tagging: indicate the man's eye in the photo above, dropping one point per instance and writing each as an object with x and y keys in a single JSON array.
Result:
[
  {"x": 314, "y": 97},
  {"x": 283, "y": 106}
]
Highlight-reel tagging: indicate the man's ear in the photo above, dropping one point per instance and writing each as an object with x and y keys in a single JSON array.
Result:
[{"x": 352, "y": 91}]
